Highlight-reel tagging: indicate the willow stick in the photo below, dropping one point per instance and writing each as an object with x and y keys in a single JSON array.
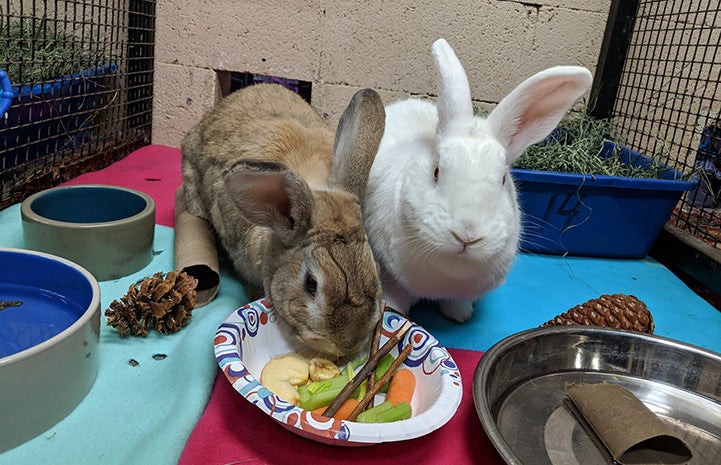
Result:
[
  {"x": 375, "y": 342},
  {"x": 370, "y": 365},
  {"x": 384, "y": 379}
]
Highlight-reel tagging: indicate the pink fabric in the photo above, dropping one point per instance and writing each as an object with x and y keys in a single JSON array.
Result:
[
  {"x": 232, "y": 431},
  {"x": 153, "y": 169}
]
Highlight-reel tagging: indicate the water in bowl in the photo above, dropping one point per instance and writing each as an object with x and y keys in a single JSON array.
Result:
[{"x": 29, "y": 316}]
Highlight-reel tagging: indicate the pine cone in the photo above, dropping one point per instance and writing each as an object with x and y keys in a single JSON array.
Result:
[
  {"x": 618, "y": 311},
  {"x": 166, "y": 303}
]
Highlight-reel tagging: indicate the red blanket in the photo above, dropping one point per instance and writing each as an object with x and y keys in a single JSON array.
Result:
[
  {"x": 232, "y": 431},
  {"x": 154, "y": 169}
]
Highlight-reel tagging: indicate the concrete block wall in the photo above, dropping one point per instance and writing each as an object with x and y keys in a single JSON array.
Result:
[{"x": 342, "y": 46}]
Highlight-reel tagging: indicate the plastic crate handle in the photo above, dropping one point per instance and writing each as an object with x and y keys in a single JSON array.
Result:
[{"x": 6, "y": 94}]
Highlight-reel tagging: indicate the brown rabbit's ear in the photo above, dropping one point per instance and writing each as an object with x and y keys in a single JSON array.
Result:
[
  {"x": 359, "y": 133},
  {"x": 271, "y": 195}
]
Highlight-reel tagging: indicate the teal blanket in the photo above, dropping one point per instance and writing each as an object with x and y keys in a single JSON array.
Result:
[
  {"x": 143, "y": 413},
  {"x": 149, "y": 392}
]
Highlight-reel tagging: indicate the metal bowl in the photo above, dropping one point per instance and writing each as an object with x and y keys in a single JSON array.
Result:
[
  {"x": 49, "y": 335},
  {"x": 519, "y": 391},
  {"x": 106, "y": 229}
]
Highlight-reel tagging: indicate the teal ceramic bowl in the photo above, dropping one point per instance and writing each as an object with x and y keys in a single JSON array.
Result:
[
  {"x": 49, "y": 337},
  {"x": 108, "y": 230}
]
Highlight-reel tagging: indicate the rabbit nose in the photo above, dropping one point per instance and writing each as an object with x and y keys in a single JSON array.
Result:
[{"x": 465, "y": 239}]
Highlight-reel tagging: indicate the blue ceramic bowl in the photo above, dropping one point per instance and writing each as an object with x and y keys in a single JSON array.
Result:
[
  {"x": 106, "y": 229},
  {"x": 49, "y": 333}
]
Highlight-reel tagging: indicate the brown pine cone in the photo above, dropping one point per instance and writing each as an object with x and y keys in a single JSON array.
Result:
[
  {"x": 618, "y": 311},
  {"x": 165, "y": 303}
]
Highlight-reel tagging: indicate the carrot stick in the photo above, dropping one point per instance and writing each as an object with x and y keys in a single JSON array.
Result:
[
  {"x": 319, "y": 411},
  {"x": 402, "y": 386},
  {"x": 345, "y": 409}
]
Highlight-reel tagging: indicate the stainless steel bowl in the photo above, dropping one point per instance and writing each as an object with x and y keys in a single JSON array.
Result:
[{"x": 519, "y": 391}]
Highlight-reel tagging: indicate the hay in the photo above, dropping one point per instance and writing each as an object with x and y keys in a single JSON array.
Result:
[
  {"x": 575, "y": 147},
  {"x": 38, "y": 51}
]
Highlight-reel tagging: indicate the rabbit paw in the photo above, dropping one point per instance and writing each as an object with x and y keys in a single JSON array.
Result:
[{"x": 459, "y": 311}]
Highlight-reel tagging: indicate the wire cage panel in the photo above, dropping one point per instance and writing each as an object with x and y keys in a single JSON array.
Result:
[
  {"x": 667, "y": 100},
  {"x": 81, "y": 75}
]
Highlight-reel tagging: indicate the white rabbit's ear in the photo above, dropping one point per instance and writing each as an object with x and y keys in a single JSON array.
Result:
[
  {"x": 454, "y": 93},
  {"x": 534, "y": 108}
]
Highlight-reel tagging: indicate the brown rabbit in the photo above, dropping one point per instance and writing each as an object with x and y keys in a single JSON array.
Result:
[{"x": 283, "y": 197}]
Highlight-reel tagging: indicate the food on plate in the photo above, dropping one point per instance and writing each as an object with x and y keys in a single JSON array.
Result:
[
  {"x": 321, "y": 393},
  {"x": 319, "y": 385},
  {"x": 383, "y": 365},
  {"x": 386, "y": 413},
  {"x": 401, "y": 387},
  {"x": 281, "y": 375},
  {"x": 370, "y": 396},
  {"x": 321, "y": 369},
  {"x": 343, "y": 412},
  {"x": 368, "y": 372}
]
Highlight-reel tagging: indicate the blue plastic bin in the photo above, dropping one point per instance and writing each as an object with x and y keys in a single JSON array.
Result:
[
  {"x": 594, "y": 215},
  {"x": 46, "y": 118}
]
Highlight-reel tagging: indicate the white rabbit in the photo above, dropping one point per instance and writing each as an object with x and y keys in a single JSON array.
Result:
[{"x": 440, "y": 207}]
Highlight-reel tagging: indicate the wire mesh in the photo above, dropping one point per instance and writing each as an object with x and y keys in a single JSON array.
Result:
[
  {"x": 81, "y": 76},
  {"x": 668, "y": 101}
]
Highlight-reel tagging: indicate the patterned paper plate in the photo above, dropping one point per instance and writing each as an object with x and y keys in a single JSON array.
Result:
[{"x": 249, "y": 337}]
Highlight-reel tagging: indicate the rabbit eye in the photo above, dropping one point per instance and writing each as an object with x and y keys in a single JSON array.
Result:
[
  {"x": 311, "y": 285},
  {"x": 435, "y": 174},
  {"x": 504, "y": 180}
]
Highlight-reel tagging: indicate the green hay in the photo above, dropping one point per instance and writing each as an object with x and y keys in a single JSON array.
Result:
[
  {"x": 576, "y": 145},
  {"x": 35, "y": 51}
]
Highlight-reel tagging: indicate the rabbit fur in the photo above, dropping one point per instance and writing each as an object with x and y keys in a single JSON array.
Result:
[
  {"x": 440, "y": 207},
  {"x": 282, "y": 193}
]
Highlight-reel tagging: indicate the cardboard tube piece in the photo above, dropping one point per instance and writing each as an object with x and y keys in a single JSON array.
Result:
[
  {"x": 631, "y": 432},
  {"x": 196, "y": 250}
]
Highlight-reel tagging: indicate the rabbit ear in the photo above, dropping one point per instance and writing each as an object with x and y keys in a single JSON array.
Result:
[
  {"x": 534, "y": 108},
  {"x": 359, "y": 133},
  {"x": 271, "y": 195},
  {"x": 454, "y": 93}
]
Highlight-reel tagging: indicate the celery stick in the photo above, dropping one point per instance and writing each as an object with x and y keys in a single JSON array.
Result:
[
  {"x": 386, "y": 412},
  {"x": 400, "y": 411},
  {"x": 383, "y": 365},
  {"x": 358, "y": 361},
  {"x": 319, "y": 399},
  {"x": 369, "y": 416},
  {"x": 326, "y": 384},
  {"x": 349, "y": 372},
  {"x": 362, "y": 390},
  {"x": 321, "y": 393}
]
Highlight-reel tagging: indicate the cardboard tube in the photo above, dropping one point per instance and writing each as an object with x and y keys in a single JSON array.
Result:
[
  {"x": 631, "y": 432},
  {"x": 196, "y": 250}
]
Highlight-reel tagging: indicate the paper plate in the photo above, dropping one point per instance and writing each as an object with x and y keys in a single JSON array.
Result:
[{"x": 249, "y": 338}]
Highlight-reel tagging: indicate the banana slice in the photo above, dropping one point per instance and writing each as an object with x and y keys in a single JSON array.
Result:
[
  {"x": 321, "y": 369},
  {"x": 282, "y": 375}
]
